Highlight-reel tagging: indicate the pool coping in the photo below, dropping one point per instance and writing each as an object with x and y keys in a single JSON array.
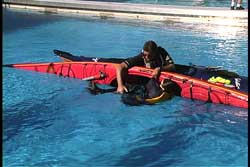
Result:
[{"x": 149, "y": 12}]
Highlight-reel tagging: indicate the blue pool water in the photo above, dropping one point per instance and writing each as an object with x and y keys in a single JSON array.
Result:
[
  {"x": 53, "y": 121},
  {"x": 204, "y": 3}
]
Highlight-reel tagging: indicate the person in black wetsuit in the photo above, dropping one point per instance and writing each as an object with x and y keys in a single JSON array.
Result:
[{"x": 152, "y": 56}]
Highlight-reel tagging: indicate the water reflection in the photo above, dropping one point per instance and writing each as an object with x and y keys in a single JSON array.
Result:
[
  {"x": 152, "y": 147},
  {"x": 204, "y": 3},
  {"x": 235, "y": 114}
]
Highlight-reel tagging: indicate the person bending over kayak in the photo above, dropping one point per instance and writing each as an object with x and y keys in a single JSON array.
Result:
[
  {"x": 152, "y": 56},
  {"x": 200, "y": 72}
]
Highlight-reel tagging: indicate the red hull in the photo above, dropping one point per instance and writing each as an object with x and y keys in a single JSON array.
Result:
[{"x": 105, "y": 73}]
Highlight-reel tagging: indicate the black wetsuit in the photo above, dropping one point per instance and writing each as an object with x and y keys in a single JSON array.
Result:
[{"x": 162, "y": 59}]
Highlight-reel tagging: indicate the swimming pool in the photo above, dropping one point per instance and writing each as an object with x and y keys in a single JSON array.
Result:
[{"x": 52, "y": 121}]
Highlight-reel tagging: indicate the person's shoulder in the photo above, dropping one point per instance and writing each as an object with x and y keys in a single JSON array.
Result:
[
  {"x": 161, "y": 48},
  {"x": 135, "y": 60},
  {"x": 135, "y": 57},
  {"x": 139, "y": 55}
]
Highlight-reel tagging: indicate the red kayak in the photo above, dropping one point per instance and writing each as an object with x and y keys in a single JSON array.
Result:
[{"x": 105, "y": 73}]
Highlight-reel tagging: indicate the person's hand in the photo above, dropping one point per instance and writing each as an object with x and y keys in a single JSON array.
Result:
[
  {"x": 156, "y": 72},
  {"x": 121, "y": 89}
]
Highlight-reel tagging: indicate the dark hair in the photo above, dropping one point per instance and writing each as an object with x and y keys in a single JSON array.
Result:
[{"x": 150, "y": 46}]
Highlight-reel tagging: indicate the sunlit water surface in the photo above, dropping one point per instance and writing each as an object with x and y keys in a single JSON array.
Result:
[{"x": 194, "y": 3}]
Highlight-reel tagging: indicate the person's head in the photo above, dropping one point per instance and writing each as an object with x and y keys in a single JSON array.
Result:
[{"x": 149, "y": 50}]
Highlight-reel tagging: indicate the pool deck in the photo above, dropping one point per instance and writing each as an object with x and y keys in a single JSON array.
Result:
[{"x": 149, "y": 12}]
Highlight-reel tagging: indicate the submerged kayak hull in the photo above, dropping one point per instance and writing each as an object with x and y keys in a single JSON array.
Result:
[{"x": 105, "y": 73}]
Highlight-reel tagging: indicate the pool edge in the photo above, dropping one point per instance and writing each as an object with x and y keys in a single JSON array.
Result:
[{"x": 149, "y": 12}]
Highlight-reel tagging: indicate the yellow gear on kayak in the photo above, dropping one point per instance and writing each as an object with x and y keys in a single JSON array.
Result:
[{"x": 219, "y": 80}]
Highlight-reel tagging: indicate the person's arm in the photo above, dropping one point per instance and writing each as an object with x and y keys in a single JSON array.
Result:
[
  {"x": 157, "y": 71},
  {"x": 119, "y": 74},
  {"x": 169, "y": 67},
  {"x": 168, "y": 64},
  {"x": 120, "y": 69}
]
